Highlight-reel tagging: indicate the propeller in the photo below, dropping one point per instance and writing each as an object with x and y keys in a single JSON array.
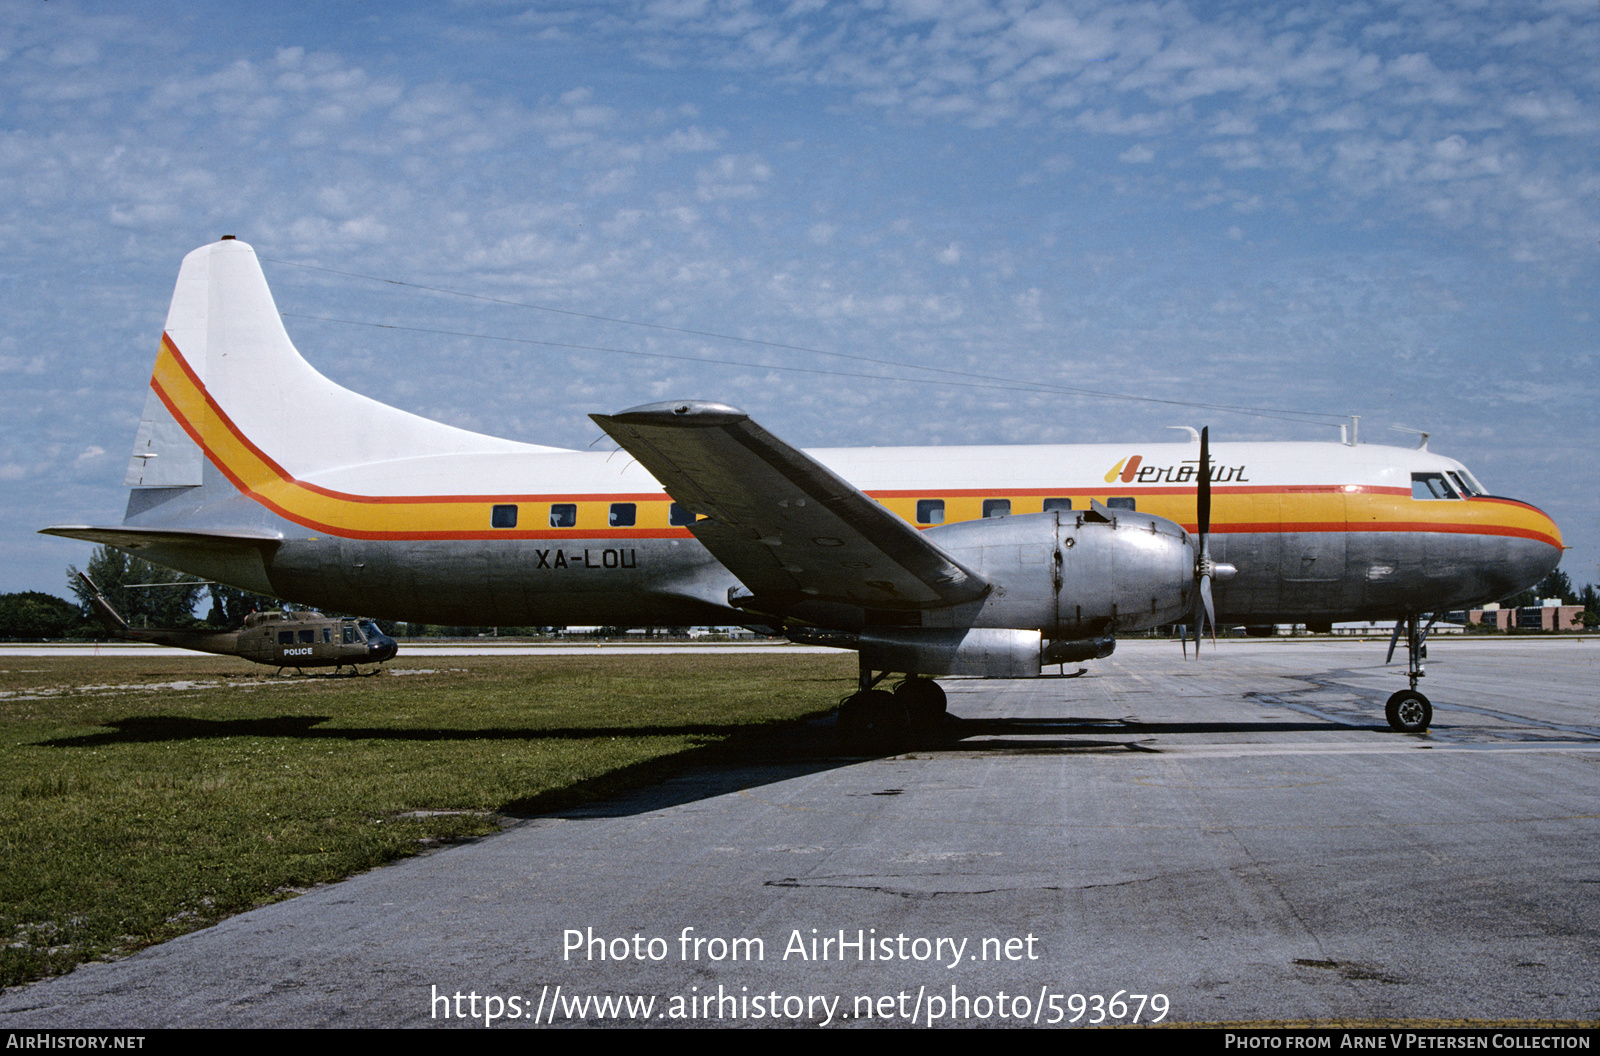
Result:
[{"x": 1204, "y": 568}]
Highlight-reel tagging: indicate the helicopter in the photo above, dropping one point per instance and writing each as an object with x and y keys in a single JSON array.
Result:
[{"x": 282, "y": 639}]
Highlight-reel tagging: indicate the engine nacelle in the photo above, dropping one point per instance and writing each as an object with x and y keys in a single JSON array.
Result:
[
  {"x": 1063, "y": 583},
  {"x": 1072, "y": 575},
  {"x": 989, "y": 652}
]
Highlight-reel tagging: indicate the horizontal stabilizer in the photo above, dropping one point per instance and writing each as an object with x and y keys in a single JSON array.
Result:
[
  {"x": 235, "y": 557},
  {"x": 132, "y": 539},
  {"x": 787, "y": 526}
]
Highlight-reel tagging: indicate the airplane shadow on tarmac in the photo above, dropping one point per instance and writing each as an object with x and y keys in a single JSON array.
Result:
[{"x": 747, "y": 759}]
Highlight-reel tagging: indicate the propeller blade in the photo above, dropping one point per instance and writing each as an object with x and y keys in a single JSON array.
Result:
[{"x": 1205, "y": 612}]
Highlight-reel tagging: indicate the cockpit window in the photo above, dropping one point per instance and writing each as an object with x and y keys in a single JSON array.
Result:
[
  {"x": 1431, "y": 486},
  {"x": 1464, "y": 482}
]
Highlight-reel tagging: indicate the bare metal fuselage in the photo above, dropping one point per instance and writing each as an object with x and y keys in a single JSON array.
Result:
[{"x": 253, "y": 469}]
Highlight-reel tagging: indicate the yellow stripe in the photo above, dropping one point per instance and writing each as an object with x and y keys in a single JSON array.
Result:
[{"x": 258, "y": 476}]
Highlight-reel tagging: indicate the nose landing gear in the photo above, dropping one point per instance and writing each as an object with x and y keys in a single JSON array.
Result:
[{"x": 1408, "y": 711}]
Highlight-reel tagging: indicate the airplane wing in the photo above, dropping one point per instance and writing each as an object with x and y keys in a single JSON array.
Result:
[{"x": 787, "y": 526}]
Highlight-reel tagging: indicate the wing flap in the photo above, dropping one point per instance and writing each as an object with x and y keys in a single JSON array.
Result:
[{"x": 787, "y": 526}]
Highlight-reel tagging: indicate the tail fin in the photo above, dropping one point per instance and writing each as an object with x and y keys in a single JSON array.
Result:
[{"x": 227, "y": 376}]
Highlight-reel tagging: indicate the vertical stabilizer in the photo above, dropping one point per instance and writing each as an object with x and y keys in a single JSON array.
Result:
[
  {"x": 163, "y": 455},
  {"x": 227, "y": 378}
]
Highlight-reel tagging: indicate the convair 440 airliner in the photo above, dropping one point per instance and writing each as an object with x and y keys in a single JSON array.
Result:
[{"x": 252, "y": 469}]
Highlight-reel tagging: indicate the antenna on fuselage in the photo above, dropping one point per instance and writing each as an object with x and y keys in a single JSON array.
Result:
[{"x": 1422, "y": 445}]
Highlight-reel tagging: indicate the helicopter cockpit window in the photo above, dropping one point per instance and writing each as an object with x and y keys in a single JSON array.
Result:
[
  {"x": 371, "y": 630},
  {"x": 351, "y": 635},
  {"x": 1431, "y": 486}
]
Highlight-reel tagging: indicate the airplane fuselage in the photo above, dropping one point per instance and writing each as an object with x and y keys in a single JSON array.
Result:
[
  {"x": 251, "y": 468},
  {"x": 1318, "y": 532}
]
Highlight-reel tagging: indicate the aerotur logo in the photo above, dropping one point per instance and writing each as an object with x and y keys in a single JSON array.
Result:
[{"x": 1132, "y": 470}]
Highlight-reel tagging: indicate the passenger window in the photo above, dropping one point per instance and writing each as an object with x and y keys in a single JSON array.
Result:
[
  {"x": 308, "y": 637},
  {"x": 1052, "y": 505},
  {"x": 1431, "y": 486},
  {"x": 930, "y": 511},
  {"x": 285, "y": 637},
  {"x": 996, "y": 507},
  {"x": 679, "y": 515},
  {"x": 1123, "y": 502},
  {"x": 503, "y": 517},
  {"x": 623, "y": 515},
  {"x": 327, "y": 636},
  {"x": 563, "y": 515}
]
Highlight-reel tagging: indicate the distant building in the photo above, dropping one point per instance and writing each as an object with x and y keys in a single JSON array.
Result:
[{"x": 1548, "y": 615}]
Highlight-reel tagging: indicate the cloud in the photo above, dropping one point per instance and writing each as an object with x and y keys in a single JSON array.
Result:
[
  {"x": 1040, "y": 190},
  {"x": 1306, "y": 91}
]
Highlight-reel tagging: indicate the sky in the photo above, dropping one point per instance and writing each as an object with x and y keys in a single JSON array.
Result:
[{"x": 886, "y": 222}]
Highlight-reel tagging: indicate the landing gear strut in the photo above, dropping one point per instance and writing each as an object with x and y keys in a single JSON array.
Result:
[
  {"x": 1409, "y": 711},
  {"x": 875, "y": 719}
]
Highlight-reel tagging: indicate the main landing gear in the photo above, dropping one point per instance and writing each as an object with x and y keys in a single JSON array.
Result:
[
  {"x": 872, "y": 718},
  {"x": 1409, "y": 711}
]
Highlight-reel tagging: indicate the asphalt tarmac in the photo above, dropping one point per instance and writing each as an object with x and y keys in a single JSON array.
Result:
[{"x": 1236, "y": 840}]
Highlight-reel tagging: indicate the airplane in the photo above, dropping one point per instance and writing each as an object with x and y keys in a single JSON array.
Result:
[
  {"x": 253, "y": 469},
  {"x": 277, "y": 639}
]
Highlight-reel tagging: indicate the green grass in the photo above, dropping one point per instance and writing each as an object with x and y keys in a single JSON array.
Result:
[{"x": 144, "y": 798}]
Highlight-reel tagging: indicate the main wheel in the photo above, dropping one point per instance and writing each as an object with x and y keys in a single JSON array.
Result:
[
  {"x": 872, "y": 719},
  {"x": 1409, "y": 711},
  {"x": 924, "y": 700}
]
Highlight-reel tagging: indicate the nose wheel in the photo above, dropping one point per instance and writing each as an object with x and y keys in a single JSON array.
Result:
[{"x": 1408, "y": 711}]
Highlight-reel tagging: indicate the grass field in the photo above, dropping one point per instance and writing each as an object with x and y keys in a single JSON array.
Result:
[{"x": 143, "y": 798}]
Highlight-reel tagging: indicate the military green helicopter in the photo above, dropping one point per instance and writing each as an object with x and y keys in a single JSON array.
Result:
[{"x": 282, "y": 639}]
